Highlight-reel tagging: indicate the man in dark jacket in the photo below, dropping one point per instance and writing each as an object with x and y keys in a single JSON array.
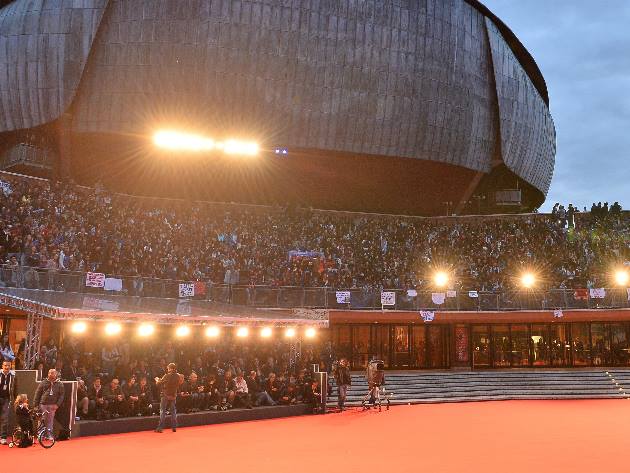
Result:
[
  {"x": 7, "y": 394},
  {"x": 96, "y": 401},
  {"x": 115, "y": 398},
  {"x": 49, "y": 396},
  {"x": 343, "y": 380},
  {"x": 169, "y": 385},
  {"x": 145, "y": 398}
]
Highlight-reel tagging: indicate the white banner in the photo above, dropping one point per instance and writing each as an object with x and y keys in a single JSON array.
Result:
[
  {"x": 96, "y": 303},
  {"x": 95, "y": 280},
  {"x": 558, "y": 313},
  {"x": 473, "y": 294},
  {"x": 186, "y": 289},
  {"x": 388, "y": 298},
  {"x": 451, "y": 294},
  {"x": 598, "y": 293},
  {"x": 113, "y": 284},
  {"x": 343, "y": 297},
  {"x": 412, "y": 293},
  {"x": 6, "y": 188},
  {"x": 438, "y": 297},
  {"x": 427, "y": 315}
]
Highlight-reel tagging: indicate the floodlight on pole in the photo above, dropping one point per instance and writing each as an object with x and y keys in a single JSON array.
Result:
[
  {"x": 622, "y": 277},
  {"x": 182, "y": 331},
  {"x": 440, "y": 278},
  {"x": 146, "y": 330},
  {"x": 528, "y": 280},
  {"x": 78, "y": 327},
  {"x": 113, "y": 328},
  {"x": 212, "y": 332}
]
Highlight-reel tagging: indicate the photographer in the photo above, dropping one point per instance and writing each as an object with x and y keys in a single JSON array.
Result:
[
  {"x": 343, "y": 380},
  {"x": 49, "y": 396}
]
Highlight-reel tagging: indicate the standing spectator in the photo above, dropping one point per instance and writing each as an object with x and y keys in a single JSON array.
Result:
[
  {"x": 343, "y": 380},
  {"x": 48, "y": 397},
  {"x": 7, "y": 388},
  {"x": 169, "y": 385},
  {"x": 6, "y": 352}
]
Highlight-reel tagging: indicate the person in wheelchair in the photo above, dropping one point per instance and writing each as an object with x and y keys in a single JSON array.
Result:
[{"x": 24, "y": 421}]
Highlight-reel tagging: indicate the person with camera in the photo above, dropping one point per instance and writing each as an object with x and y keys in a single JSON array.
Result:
[
  {"x": 169, "y": 386},
  {"x": 48, "y": 397},
  {"x": 343, "y": 380},
  {"x": 7, "y": 390}
]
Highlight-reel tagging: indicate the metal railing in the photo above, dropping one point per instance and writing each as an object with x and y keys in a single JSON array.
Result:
[{"x": 315, "y": 297}]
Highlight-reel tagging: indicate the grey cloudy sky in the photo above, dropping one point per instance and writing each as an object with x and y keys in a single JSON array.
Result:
[{"x": 583, "y": 50}]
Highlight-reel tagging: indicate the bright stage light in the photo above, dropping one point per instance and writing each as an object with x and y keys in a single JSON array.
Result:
[
  {"x": 113, "y": 328},
  {"x": 146, "y": 330},
  {"x": 440, "y": 279},
  {"x": 242, "y": 332},
  {"x": 622, "y": 277},
  {"x": 212, "y": 332},
  {"x": 310, "y": 332},
  {"x": 528, "y": 280},
  {"x": 289, "y": 333},
  {"x": 179, "y": 141},
  {"x": 182, "y": 331},
  {"x": 266, "y": 332},
  {"x": 78, "y": 327}
]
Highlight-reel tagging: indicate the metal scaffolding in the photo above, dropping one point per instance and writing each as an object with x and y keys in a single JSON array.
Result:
[{"x": 33, "y": 339}]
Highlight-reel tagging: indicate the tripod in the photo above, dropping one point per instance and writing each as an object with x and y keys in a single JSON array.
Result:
[{"x": 373, "y": 397}]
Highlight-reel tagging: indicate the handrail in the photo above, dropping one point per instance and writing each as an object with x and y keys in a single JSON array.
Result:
[{"x": 290, "y": 297}]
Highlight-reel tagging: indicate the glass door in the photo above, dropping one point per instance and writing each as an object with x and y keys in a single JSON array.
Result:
[
  {"x": 580, "y": 342},
  {"x": 501, "y": 348},
  {"x": 541, "y": 354},
  {"x": 437, "y": 354},
  {"x": 381, "y": 344},
  {"x": 402, "y": 357},
  {"x": 481, "y": 346},
  {"x": 559, "y": 345},
  {"x": 619, "y": 350},
  {"x": 419, "y": 346},
  {"x": 600, "y": 345},
  {"x": 360, "y": 346},
  {"x": 520, "y": 345}
]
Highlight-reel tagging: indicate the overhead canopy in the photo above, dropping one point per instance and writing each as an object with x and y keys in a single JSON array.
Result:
[{"x": 73, "y": 306}]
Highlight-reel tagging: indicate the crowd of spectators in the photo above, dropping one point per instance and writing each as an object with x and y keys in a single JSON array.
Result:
[
  {"x": 118, "y": 378},
  {"x": 62, "y": 227}
]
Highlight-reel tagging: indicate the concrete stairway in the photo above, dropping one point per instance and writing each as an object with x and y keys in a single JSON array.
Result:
[{"x": 416, "y": 387}]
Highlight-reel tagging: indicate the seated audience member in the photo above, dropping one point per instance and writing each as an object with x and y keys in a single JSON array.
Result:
[
  {"x": 212, "y": 390},
  {"x": 97, "y": 403},
  {"x": 258, "y": 396},
  {"x": 131, "y": 391},
  {"x": 241, "y": 395},
  {"x": 145, "y": 401},
  {"x": 115, "y": 399},
  {"x": 83, "y": 401},
  {"x": 227, "y": 390},
  {"x": 314, "y": 396},
  {"x": 288, "y": 395},
  {"x": 273, "y": 387}
]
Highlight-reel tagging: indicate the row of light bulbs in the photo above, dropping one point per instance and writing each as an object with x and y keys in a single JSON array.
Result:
[
  {"x": 147, "y": 329},
  {"x": 528, "y": 280}
]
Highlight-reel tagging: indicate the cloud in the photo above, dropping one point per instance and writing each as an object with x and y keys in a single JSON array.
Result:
[{"x": 583, "y": 50}]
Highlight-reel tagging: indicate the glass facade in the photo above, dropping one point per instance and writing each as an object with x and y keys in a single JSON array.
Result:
[{"x": 480, "y": 346}]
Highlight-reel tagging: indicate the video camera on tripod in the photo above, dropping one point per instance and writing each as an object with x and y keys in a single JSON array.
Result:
[{"x": 375, "y": 376}]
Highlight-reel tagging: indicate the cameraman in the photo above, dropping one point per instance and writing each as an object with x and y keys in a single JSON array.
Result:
[{"x": 343, "y": 380}]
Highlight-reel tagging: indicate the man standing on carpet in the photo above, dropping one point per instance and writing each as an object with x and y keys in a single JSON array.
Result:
[
  {"x": 169, "y": 385},
  {"x": 7, "y": 394},
  {"x": 343, "y": 380},
  {"x": 49, "y": 396}
]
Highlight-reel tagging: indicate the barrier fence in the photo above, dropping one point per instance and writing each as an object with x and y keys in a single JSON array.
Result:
[{"x": 320, "y": 297}]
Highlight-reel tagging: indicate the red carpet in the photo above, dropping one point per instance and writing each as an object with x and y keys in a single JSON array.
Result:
[{"x": 510, "y": 436}]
